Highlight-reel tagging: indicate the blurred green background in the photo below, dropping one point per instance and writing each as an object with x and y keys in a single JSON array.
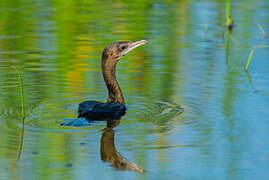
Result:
[{"x": 190, "y": 60}]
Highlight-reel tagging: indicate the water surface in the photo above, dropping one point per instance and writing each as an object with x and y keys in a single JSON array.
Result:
[{"x": 190, "y": 63}]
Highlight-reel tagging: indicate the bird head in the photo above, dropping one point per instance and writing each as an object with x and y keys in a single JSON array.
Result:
[{"x": 118, "y": 49}]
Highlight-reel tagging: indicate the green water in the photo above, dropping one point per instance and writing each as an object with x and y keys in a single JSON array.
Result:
[{"x": 190, "y": 62}]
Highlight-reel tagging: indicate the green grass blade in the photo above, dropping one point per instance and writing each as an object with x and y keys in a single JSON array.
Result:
[
  {"x": 249, "y": 59},
  {"x": 22, "y": 112},
  {"x": 228, "y": 48},
  {"x": 21, "y": 91},
  {"x": 249, "y": 80},
  {"x": 227, "y": 12}
]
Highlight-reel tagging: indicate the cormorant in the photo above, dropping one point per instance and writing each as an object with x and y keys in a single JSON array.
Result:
[{"x": 114, "y": 107}]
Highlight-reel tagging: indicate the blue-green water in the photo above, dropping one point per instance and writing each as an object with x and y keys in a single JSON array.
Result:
[{"x": 190, "y": 62}]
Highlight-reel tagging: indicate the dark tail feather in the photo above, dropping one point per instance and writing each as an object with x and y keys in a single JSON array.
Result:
[{"x": 76, "y": 122}]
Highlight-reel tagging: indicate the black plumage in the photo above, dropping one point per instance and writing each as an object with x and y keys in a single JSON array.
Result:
[{"x": 97, "y": 111}]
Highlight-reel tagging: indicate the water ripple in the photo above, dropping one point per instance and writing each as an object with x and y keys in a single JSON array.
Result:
[{"x": 153, "y": 112}]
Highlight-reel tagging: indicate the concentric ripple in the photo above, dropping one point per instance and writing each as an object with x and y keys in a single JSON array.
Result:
[{"x": 48, "y": 117}]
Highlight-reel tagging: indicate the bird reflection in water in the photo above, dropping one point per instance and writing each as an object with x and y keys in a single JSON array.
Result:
[{"x": 109, "y": 153}]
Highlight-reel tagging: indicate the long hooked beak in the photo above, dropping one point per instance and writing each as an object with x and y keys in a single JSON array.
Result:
[{"x": 134, "y": 45}]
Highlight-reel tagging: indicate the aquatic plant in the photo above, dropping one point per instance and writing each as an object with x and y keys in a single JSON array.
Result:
[
  {"x": 21, "y": 91},
  {"x": 256, "y": 47},
  {"x": 229, "y": 21},
  {"x": 249, "y": 59},
  {"x": 227, "y": 12},
  {"x": 251, "y": 54},
  {"x": 22, "y": 111}
]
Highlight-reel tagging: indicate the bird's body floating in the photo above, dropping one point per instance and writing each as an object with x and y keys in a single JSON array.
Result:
[
  {"x": 97, "y": 111},
  {"x": 114, "y": 108}
]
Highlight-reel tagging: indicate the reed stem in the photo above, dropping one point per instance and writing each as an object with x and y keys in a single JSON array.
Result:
[{"x": 22, "y": 112}]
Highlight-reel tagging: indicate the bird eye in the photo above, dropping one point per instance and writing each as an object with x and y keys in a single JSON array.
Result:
[{"x": 123, "y": 47}]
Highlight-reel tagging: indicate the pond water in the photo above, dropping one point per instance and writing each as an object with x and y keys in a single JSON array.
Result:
[{"x": 193, "y": 111}]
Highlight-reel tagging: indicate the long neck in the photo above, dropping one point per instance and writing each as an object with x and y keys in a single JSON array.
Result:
[{"x": 109, "y": 74}]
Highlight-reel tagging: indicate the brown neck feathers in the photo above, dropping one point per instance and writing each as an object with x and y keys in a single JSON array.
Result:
[{"x": 109, "y": 74}]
